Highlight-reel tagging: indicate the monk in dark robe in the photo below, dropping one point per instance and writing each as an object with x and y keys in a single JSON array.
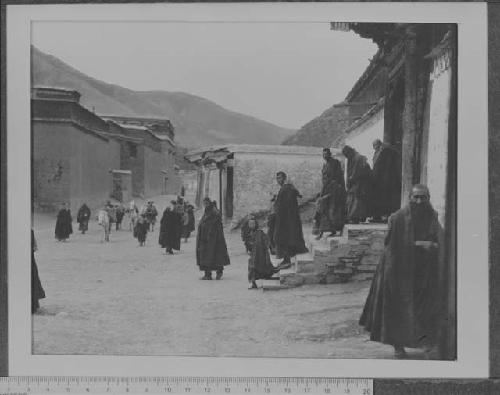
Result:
[
  {"x": 259, "y": 263},
  {"x": 211, "y": 248},
  {"x": 246, "y": 233},
  {"x": 63, "y": 223},
  {"x": 358, "y": 185},
  {"x": 188, "y": 222},
  {"x": 141, "y": 229},
  {"x": 386, "y": 176},
  {"x": 83, "y": 217},
  {"x": 330, "y": 211},
  {"x": 288, "y": 235},
  {"x": 271, "y": 222},
  {"x": 37, "y": 291},
  {"x": 171, "y": 229},
  {"x": 404, "y": 306}
]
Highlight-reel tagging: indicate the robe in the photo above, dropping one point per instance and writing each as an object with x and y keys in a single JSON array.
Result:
[
  {"x": 188, "y": 223},
  {"x": 259, "y": 263},
  {"x": 83, "y": 217},
  {"x": 358, "y": 187},
  {"x": 141, "y": 230},
  {"x": 332, "y": 170},
  {"x": 211, "y": 248},
  {"x": 288, "y": 236},
  {"x": 170, "y": 230},
  {"x": 330, "y": 211},
  {"x": 404, "y": 304},
  {"x": 386, "y": 176},
  {"x": 63, "y": 225},
  {"x": 37, "y": 291}
]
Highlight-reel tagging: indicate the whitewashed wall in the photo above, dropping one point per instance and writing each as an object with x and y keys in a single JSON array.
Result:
[
  {"x": 437, "y": 149},
  {"x": 361, "y": 138}
]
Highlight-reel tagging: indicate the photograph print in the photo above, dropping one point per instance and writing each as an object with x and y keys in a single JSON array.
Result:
[{"x": 244, "y": 189}]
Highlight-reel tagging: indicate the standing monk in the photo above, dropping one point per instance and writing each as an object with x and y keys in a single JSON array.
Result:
[
  {"x": 63, "y": 223},
  {"x": 358, "y": 185},
  {"x": 259, "y": 263},
  {"x": 288, "y": 236},
  {"x": 37, "y": 291},
  {"x": 188, "y": 222},
  {"x": 386, "y": 197},
  {"x": 403, "y": 306},
  {"x": 170, "y": 229},
  {"x": 211, "y": 249},
  {"x": 330, "y": 214},
  {"x": 83, "y": 217}
]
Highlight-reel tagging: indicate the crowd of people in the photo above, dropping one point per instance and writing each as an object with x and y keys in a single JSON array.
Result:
[{"x": 404, "y": 304}]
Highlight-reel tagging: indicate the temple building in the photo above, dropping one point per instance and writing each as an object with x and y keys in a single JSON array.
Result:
[
  {"x": 78, "y": 156},
  {"x": 242, "y": 178}
]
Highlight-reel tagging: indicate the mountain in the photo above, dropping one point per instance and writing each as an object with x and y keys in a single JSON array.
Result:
[
  {"x": 197, "y": 121},
  {"x": 323, "y": 130}
]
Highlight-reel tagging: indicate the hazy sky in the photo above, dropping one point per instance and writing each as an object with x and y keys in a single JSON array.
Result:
[{"x": 285, "y": 73}]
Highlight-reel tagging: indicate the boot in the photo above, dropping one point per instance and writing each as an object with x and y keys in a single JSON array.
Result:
[{"x": 218, "y": 276}]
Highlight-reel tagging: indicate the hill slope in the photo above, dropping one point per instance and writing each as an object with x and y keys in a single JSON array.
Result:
[{"x": 197, "y": 121}]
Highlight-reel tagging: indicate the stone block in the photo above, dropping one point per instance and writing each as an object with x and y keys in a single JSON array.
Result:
[
  {"x": 294, "y": 280},
  {"x": 332, "y": 279},
  {"x": 344, "y": 271},
  {"x": 362, "y": 276},
  {"x": 366, "y": 268}
]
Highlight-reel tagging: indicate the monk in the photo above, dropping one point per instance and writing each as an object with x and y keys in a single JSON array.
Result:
[
  {"x": 404, "y": 304},
  {"x": 259, "y": 262},
  {"x": 37, "y": 291},
  {"x": 211, "y": 248},
  {"x": 63, "y": 223},
  {"x": 330, "y": 211},
  {"x": 358, "y": 185},
  {"x": 386, "y": 176},
  {"x": 171, "y": 229},
  {"x": 288, "y": 236},
  {"x": 83, "y": 217}
]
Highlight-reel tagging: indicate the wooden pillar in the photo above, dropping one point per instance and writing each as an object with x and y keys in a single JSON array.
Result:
[{"x": 409, "y": 116}]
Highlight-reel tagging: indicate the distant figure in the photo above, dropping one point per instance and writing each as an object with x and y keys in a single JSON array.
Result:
[
  {"x": 271, "y": 223},
  {"x": 63, "y": 223},
  {"x": 111, "y": 210},
  {"x": 403, "y": 307},
  {"x": 386, "y": 197},
  {"x": 183, "y": 190},
  {"x": 151, "y": 213},
  {"x": 103, "y": 220},
  {"x": 246, "y": 235},
  {"x": 259, "y": 263},
  {"x": 133, "y": 215},
  {"x": 120, "y": 213},
  {"x": 170, "y": 229},
  {"x": 141, "y": 230},
  {"x": 358, "y": 185},
  {"x": 83, "y": 217},
  {"x": 288, "y": 235},
  {"x": 330, "y": 211},
  {"x": 211, "y": 248},
  {"x": 188, "y": 222},
  {"x": 37, "y": 291}
]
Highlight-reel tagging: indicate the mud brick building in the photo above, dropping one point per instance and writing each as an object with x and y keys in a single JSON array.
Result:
[
  {"x": 78, "y": 156},
  {"x": 242, "y": 178}
]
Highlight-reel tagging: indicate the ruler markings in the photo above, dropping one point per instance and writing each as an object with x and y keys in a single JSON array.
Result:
[{"x": 182, "y": 385}]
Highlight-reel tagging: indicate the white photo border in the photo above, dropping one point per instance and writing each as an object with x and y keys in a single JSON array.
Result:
[{"x": 472, "y": 191}]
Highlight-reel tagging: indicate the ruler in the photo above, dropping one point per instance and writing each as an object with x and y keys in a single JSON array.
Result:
[{"x": 37, "y": 385}]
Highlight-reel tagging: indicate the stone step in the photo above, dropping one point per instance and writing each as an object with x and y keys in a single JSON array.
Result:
[
  {"x": 272, "y": 284},
  {"x": 366, "y": 268}
]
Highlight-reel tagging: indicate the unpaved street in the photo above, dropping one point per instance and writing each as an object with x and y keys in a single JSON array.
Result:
[{"x": 121, "y": 299}]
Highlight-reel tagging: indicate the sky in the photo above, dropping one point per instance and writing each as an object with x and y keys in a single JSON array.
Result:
[{"x": 284, "y": 73}]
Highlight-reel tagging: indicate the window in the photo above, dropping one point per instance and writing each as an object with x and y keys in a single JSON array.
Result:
[{"x": 132, "y": 149}]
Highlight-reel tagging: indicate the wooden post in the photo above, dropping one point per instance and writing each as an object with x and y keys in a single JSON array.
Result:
[{"x": 409, "y": 115}]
